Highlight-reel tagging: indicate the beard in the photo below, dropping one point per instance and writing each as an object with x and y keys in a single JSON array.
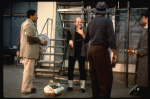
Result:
[{"x": 34, "y": 20}]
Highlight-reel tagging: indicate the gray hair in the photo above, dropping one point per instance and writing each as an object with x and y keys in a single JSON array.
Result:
[{"x": 76, "y": 19}]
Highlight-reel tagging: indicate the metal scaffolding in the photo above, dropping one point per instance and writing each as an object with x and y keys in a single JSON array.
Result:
[{"x": 87, "y": 15}]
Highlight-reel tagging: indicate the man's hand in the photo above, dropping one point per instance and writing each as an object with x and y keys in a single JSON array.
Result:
[
  {"x": 115, "y": 56},
  {"x": 80, "y": 31},
  {"x": 43, "y": 42},
  {"x": 114, "y": 59},
  {"x": 71, "y": 43},
  {"x": 131, "y": 52},
  {"x": 135, "y": 51},
  {"x": 17, "y": 53}
]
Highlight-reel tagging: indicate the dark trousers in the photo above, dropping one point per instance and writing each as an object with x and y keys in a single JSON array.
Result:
[
  {"x": 81, "y": 61},
  {"x": 100, "y": 71},
  {"x": 144, "y": 92}
]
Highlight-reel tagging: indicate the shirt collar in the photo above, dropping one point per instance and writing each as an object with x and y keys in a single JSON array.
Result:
[
  {"x": 145, "y": 27},
  {"x": 31, "y": 21}
]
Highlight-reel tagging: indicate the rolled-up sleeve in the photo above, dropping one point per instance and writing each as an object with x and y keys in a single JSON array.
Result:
[
  {"x": 34, "y": 40},
  {"x": 111, "y": 36},
  {"x": 31, "y": 38}
]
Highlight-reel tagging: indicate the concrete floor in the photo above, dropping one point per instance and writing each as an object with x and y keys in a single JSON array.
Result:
[{"x": 12, "y": 80}]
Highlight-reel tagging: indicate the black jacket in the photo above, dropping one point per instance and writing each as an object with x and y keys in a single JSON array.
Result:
[{"x": 71, "y": 36}]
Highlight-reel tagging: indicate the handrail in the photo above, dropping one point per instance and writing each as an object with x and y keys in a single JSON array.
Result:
[{"x": 47, "y": 24}]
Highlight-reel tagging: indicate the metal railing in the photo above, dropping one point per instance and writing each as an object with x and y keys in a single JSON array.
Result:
[{"x": 47, "y": 25}]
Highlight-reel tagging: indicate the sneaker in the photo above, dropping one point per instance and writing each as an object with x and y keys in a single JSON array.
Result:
[
  {"x": 70, "y": 88},
  {"x": 82, "y": 90}
]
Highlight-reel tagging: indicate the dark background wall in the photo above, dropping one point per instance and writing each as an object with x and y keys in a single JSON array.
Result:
[{"x": 14, "y": 14}]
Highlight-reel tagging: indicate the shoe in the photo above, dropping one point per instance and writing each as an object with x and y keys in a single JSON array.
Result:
[
  {"x": 82, "y": 90},
  {"x": 33, "y": 90},
  {"x": 70, "y": 88},
  {"x": 134, "y": 89}
]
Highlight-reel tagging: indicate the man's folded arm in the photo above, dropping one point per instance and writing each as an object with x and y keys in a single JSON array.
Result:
[{"x": 32, "y": 39}]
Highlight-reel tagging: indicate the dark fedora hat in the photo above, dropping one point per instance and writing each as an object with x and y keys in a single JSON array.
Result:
[{"x": 101, "y": 8}]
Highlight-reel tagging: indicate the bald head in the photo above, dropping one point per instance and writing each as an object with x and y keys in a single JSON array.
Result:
[
  {"x": 78, "y": 18},
  {"x": 78, "y": 22}
]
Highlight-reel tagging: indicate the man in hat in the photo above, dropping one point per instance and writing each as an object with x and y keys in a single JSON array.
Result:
[
  {"x": 101, "y": 35},
  {"x": 29, "y": 50},
  {"x": 142, "y": 61},
  {"x": 77, "y": 50}
]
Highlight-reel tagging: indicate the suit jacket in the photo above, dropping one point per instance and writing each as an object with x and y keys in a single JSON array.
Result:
[
  {"x": 29, "y": 48},
  {"x": 142, "y": 60},
  {"x": 71, "y": 36}
]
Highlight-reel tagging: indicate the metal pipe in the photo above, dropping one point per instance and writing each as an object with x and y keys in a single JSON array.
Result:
[
  {"x": 127, "y": 47},
  {"x": 47, "y": 28},
  {"x": 121, "y": 9},
  {"x": 133, "y": 9},
  {"x": 139, "y": 8},
  {"x": 118, "y": 4},
  {"x": 45, "y": 24},
  {"x": 10, "y": 25}
]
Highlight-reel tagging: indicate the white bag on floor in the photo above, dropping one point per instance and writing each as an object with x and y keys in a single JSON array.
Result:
[
  {"x": 54, "y": 88},
  {"x": 48, "y": 89}
]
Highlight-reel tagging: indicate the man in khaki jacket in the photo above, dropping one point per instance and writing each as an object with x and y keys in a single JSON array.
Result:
[{"x": 29, "y": 50}]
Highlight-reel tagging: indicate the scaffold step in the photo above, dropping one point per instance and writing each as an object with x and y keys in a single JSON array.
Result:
[
  {"x": 57, "y": 39},
  {"x": 75, "y": 9},
  {"x": 57, "y": 46},
  {"x": 71, "y": 13},
  {"x": 50, "y": 62},
  {"x": 70, "y": 21},
  {"x": 70, "y": 3},
  {"x": 45, "y": 53},
  {"x": 46, "y": 70}
]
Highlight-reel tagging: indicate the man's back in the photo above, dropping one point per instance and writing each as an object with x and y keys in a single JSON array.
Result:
[{"x": 100, "y": 31}]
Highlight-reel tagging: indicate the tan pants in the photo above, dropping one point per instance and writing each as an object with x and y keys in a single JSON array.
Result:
[{"x": 27, "y": 75}]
